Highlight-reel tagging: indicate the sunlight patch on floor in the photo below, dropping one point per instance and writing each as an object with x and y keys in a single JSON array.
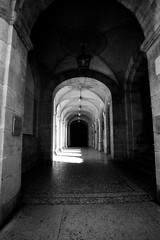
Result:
[{"x": 69, "y": 156}]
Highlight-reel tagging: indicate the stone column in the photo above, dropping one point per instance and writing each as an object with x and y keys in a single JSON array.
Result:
[
  {"x": 54, "y": 133},
  {"x": 93, "y": 134},
  {"x": 57, "y": 133},
  {"x": 69, "y": 136},
  {"x": 13, "y": 59},
  {"x": 65, "y": 145},
  {"x": 62, "y": 134},
  {"x": 96, "y": 135},
  {"x": 105, "y": 133},
  {"x": 100, "y": 135},
  {"x": 151, "y": 47}
]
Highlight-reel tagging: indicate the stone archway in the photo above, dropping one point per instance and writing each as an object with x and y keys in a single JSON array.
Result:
[
  {"x": 15, "y": 44},
  {"x": 83, "y": 99}
]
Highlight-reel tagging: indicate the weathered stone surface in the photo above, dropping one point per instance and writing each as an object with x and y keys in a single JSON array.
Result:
[
  {"x": 156, "y": 104},
  {"x": 3, "y": 51},
  {"x": 157, "y": 65},
  {"x": 157, "y": 159},
  {"x": 3, "y": 30}
]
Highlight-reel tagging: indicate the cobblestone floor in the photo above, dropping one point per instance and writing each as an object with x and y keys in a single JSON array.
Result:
[
  {"x": 82, "y": 176},
  {"x": 83, "y": 196}
]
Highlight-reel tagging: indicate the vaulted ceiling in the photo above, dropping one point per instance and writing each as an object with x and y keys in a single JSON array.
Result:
[
  {"x": 111, "y": 32},
  {"x": 111, "y": 35},
  {"x": 83, "y": 97}
]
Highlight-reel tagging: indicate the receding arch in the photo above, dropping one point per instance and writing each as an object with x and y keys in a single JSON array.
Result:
[{"x": 80, "y": 100}]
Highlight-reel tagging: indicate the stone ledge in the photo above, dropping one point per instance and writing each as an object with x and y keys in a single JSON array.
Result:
[
  {"x": 149, "y": 41},
  {"x": 23, "y": 32},
  {"x": 8, "y": 208}
]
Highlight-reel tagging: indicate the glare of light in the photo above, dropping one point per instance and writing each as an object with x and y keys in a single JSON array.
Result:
[
  {"x": 67, "y": 159},
  {"x": 71, "y": 154},
  {"x": 72, "y": 150}
]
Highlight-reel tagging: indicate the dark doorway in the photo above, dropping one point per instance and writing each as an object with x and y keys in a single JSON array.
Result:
[{"x": 79, "y": 134}]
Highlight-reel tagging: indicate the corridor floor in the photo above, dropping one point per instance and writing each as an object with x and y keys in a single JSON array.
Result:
[{"x": 83, "y": 196}]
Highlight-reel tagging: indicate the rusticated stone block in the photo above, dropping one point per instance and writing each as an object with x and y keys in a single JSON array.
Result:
[
  {"x": 6, "y": 191},
  {"x": 157, "y": 141},
  {"x": 12, "y": 145},
  {"x": 3, "y": 30},
  {"x": 155, "y": 101},
  {"x": 157, "y": 65},
  {"x": 2, "y": 71},
  {"x": 3, "y": 51},
  {"x": 157, "y": 159},
  {"x": 155, "y": 86},
  {"x": 12, "y": 165},
  {"x": 157, "y": 124}
]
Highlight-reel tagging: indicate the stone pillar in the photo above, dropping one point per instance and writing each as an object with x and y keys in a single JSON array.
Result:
[
  {"x": 54, "y": 133},
  {"x": 96, "y": 135},
  {"x": 57, "y": 134},
  {"x": 13, "y": 59},
  {"x": 100, "y": 141},
  {"x": 93, "y": 135},
  {"x": 105, "y": 133},
  {"x": 62, "y": 135},
  {"x": 151, "y": 47},
  {"x": 69, "y": 136}
]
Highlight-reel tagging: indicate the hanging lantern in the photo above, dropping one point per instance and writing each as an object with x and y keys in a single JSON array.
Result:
[{"x": 83, "y": 60}]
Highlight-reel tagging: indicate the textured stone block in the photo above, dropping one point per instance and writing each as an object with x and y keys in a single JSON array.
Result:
[
  {"x": 155, "y": 100},
  {"x": 6, "y": 191},
  {"x": 11, "y": 98},
  {"x": 157, "y": 65},
  {"x": 15, "y": 101},
  {"x": 15, "y": 60},
  {"x": 2, "y": 71},
  {"x": 16, "y": 82},
  {"x": 3, "y": 30},
  {"x": 155, "y": 86},
  {"x": 12, "y": 145},
  {"x": 157, "y": 159},
  {"x": 157, "y": 126},
  {"x": 12, "y": 166},
  {"x": 8, "y": 120},
  {"x": 3, "y": 51},
  {"x": 1, "y": 93}
]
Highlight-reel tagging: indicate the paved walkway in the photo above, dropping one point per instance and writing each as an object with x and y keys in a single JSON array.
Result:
[{"x": 85, "y": 197}]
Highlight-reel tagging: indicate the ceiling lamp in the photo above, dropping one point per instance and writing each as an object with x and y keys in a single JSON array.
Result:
[
  {"x": 80, "y": 97},
  {"x": 80, "y": 107},
  {"x": 83, "y": 59}
]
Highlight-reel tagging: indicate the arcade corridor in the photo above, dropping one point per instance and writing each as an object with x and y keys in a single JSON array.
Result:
[
  {"x": 84, "y": 196},
  {"x": 80, "y": 119}
]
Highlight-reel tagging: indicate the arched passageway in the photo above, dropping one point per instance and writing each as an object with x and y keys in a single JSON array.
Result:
[
  {"x": 79, "y": 134},
  {"x": 40, "y": 64},
  {"x": 83, "y": 100}
]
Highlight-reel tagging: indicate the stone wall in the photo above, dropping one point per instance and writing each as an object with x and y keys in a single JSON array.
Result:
[
  {"x": 13, "y": 59},
  {"x": 30, "y": 156},
  {"x": 153, "y": 53}
]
